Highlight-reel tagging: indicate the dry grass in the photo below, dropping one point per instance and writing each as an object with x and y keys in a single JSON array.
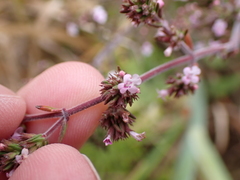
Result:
[{"x": 33, "y": 37}]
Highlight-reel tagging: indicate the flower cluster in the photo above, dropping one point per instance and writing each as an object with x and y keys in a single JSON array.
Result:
[
  {"x": 171, "y": 36},
  {"x": 119, "y": 90},
  {"x": 191, "y": 75},
  {"x": 116, "y": 120},
  {"x": 150, "y": 12},
  {"x": 198, "y": 19},
  {"x": 182, "y": 84},
  {"x": 142, "y": 11},
  {"x": 14, "y": 150}
]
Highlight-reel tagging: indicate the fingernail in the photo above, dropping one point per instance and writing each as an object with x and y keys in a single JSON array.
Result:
[{"x": 92, "y": 167}]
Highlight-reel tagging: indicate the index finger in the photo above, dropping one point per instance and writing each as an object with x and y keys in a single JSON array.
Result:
[{"x": 63, "y": 86}]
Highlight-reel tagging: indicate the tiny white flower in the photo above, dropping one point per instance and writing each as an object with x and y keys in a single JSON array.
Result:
[
  {"x": 191, "y": 75},
  {"x": 130, "y": 83},
  {"x": 24, "y": 154},
  {"x": 161, "y": 3},
  {"x": 168, "y": 51},
  {"x": 160, "y": 33},
  {"x": 137, "y": 136},
  {"x": 108, "y": 140},
  {"x": 219, "y": 27},
  {"x": 72, "y": 29},
  {"x": 162, "y": 94},
  {"x": 99, "y": 15}
]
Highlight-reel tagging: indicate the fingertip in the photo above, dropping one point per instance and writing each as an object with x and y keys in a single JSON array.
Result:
[
  {"x": 12, "y": 110},
  {"x": 55, "y": 161},
  {"x": 64, "y": 86}
]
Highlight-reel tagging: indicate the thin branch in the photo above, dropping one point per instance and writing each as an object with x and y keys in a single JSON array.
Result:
[
  {"x": 146, "y": 76},
  {"x": 182, "y": 60},
  {"x": 53, "y": 128},
  {"x": 85, "y": 105},
  {"x": 70, "y": 111},
  {"x": 230, "y": 46}
]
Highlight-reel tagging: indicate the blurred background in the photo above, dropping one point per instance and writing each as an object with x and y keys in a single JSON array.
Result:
[{"x": 187, "y": 138}]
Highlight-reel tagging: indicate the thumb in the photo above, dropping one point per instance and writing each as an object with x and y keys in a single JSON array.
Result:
[{"x": 56, "y": 161}]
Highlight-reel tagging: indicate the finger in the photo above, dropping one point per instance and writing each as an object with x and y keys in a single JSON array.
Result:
[
  {"x": 55, "y": 161},
  {"x": 65, "y": 85},
  {"x": 12, "y": 111}
]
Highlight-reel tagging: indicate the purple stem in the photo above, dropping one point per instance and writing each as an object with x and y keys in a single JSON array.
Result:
[
  {"x": 230, "y": 46},
  {"x": 70, "y": 111},
  {"x": 85, "y": 105},
  {"x": 182, "y": 60},
  {"x": 146, "y": 76},
  {"x": 53, "y": 128}
]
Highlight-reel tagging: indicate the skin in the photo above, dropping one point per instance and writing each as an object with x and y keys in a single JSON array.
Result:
[{"x": 63, "y": 85}]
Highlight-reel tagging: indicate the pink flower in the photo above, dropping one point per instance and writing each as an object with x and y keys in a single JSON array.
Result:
[
  {"x": 108, "y": 140},
  {"x": 160, "y": 33},
  {"x": 22, "y": 156},
  {"x": 162, "y": 94},
  {"x": 122, "y": 73},
  {"x": 130, "y": 84},
  {"x": 99, "y": 15},
  {"x": 190, "y": 75},
  {"x": 161, "y": 3},
  {"x": 18, "y": 133},
  {"x": 219, "y": 27},
  {"x": 137, "y": 136},
  {"x": 2, "y": 146}
]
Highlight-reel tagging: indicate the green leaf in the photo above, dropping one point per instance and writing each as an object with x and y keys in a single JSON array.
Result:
[
  {"x": 151, "y": 162},
  {"x": 198, "y": 152},
  {"x": 63, "y": 130}
]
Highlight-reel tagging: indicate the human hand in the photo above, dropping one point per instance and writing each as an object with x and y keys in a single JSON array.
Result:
[{"x": 64, "y": 85}]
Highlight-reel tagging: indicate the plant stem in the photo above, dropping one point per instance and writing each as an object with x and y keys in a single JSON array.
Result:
[
  {"x": 53, "y": 128},
  {"x": 85, "y": 105},
  {"x": 146, "y": 76},
  {"x": 182, "y": 60},
  {"x": 230, "y": 46},
  {"x": 70, "y": 111}
]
